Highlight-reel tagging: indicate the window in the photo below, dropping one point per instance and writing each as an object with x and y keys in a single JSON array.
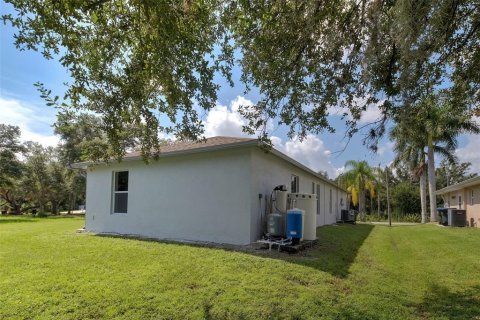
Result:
[
  {"x": 471, "y": 197},
  {"x": 120, "y": 192},
  {"x": 318, "y": 199},
  {"x": 295, "y": 183},
  {"x": 459, "y": 202},
  {"x": 330, "y": 203},
  {"x": 313, "y": 187}
]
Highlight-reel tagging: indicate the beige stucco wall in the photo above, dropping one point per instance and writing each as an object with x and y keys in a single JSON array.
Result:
[{"x": 473, "y": 211}]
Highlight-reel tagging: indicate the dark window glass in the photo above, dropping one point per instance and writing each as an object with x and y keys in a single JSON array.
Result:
[
  {"x": 121, "y": 203},
  {"x": 121, "y": 181},
  {"x": 120, "y": 192},
  {"x": 318, "y": 199},
  {"x": 295, "y": 184}
]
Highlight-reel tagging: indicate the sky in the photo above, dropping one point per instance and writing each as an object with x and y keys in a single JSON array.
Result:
[{"x": 21, "y": 105}]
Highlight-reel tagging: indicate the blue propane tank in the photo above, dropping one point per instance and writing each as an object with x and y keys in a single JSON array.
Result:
[{"x": 295, "y": 223}]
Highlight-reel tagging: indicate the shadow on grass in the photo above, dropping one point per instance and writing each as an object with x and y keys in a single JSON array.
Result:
[
  {"x": 17, "y": 220},
  {"x": 440, "y": 302},
  {"x": 336, "y": 251},
  {"x": 28, "y": 218}
]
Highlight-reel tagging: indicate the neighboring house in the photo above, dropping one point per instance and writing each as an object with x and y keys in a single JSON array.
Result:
[
  {"x": 212, "y": 191},
  {"x": 466, "y": 196}
]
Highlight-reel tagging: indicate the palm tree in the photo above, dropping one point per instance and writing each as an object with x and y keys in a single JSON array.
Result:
[
  {"x": 409, "y": 148},
  {"x": 379, "y": 174},
  {"x": 358, "y": 180},
  {"x": 443, "y": 123}
]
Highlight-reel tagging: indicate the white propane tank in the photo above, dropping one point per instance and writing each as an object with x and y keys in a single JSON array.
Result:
[
  {"x": 281, "y": 201},
  {"x": 308, "y": 203}
]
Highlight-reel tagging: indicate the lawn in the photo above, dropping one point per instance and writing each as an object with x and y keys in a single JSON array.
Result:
[{"x": 47, "y": 271}]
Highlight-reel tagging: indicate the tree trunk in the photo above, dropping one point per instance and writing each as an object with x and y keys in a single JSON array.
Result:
[
  {"x": 371, "y": 204},
  {"x": 54, "y": 207},
  {"x": 431, "y": 181},
  {"x": 70, "y": 196},
  {"x": 378, "y": 201},
  {"x": 388, "y": 199},
  {"x": 361, "y": 203},
  {"x": 423, "y": 195},
  {"x": 16, "y": 208}
]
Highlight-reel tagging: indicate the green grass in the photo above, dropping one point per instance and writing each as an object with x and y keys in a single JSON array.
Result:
[{"x": 47, "y": 271}]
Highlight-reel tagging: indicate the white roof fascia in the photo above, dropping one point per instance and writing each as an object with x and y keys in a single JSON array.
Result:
[{"x": 464, "y": 184}]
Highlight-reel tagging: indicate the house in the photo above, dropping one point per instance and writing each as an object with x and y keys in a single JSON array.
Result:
[
  {"x": 211, "y": 191},
  {"x": 465, "y": 196}
]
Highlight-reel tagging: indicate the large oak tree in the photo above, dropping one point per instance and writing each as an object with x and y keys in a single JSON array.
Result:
[{"x": 138, "y": 63}]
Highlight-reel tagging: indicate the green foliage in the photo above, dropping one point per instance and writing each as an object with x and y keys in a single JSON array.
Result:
[
  {"x": 129, "y": 61},
  {"x": 451, "y": 173},
  {"x": 11, "y": 168},
  {"x": 397, "y": 216},
  {"x": 358, "y": 180},
  {"x": 39, "y": 181},
  {"x": 405, "y": 198},
  {"x": 430, "y": 126},
  {"x": 356, "y": 272},
  {"x": 137, "y": 63},
  {"x": 78, "y": 133},
  {"x": 10, "y": 148}
]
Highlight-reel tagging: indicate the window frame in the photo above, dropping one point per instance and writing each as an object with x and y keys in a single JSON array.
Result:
[
  {"x": 115, "y": 192},
  {"x": 459, "y": 202},
  {"x": 297, "y": 183},
  {"x": 471, "y": 197}
]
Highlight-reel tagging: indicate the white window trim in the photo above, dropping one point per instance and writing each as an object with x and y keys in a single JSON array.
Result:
[{"x": 112, "y": 210}]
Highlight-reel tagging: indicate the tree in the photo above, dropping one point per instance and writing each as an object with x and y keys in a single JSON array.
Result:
[
  {"x": 409, "y": 149},
  {"x": 138, "y": 63},
  {"x": 453, "y": 172},
  {"x": 82, "y": 138},
  {"x": 405, "y": 199},
  {"x": 37, "y": 180},
  {"x": 358, "y": 179},
  {"x": 10, "y": 167},
  {"x": 429, "y": 126},
  {"x": 443, "y": 123}
]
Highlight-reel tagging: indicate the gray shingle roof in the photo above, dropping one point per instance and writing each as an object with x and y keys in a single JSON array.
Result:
[{"x": 218, "y": 141}]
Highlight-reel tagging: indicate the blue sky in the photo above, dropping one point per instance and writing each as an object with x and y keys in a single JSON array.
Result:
[{"x": 20, "y": 104}]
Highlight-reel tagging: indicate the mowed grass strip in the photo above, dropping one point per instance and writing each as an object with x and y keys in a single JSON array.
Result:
[{"x": 357, "y": 272}]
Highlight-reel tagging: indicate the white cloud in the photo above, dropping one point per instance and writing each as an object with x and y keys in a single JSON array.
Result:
[
  {"x": 371, "y": 114},
  {"x": 471, "y": 151},
  {"x": 339, "y": 171},
  {"x": 227, "y": 121},
  {"x": 310, "y": 152},
  {"x": 224, "y": 121},
  {"x": 387, "y": 147},
  {"x": 25, "y": 116}
]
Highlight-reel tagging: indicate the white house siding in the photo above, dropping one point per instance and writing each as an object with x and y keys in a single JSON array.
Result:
[
  {"x": 268, "y": 171},
  {"x": 198, "y": 197}
]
